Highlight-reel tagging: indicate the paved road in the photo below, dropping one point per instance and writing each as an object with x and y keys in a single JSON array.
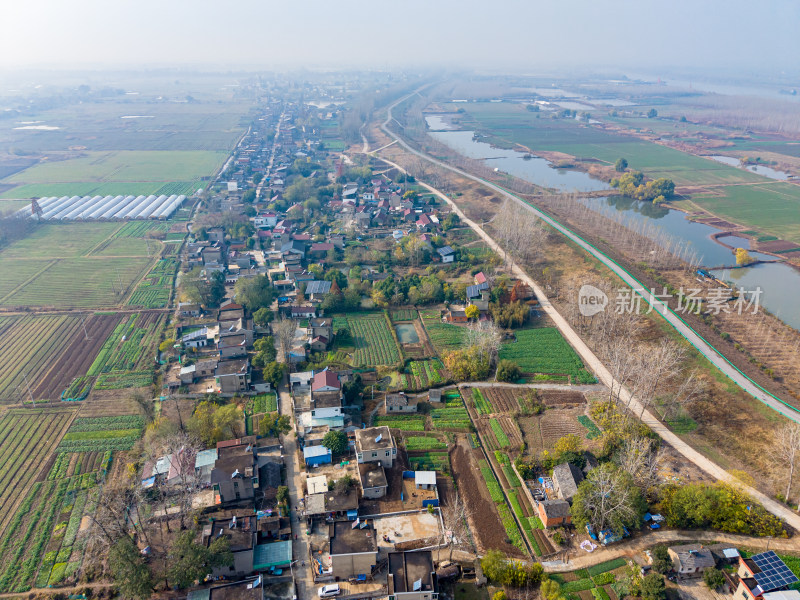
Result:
[
  {"x": 598, "y": 368},
  {"x": 304, "y": 583},
  {"x": 658, "y": 305},
  {"x": 268, "y": 174}
]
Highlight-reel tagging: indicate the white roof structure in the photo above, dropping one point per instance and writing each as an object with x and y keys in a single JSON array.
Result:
[
  {"x": 106, "y": 207},
  {"x": 317, "y": 485},
  {"x": 782, "y": 595},
  {"x": 424, "y": 477}
]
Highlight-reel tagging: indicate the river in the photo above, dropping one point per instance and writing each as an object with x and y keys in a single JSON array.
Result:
[{"x": 780, "y": 283}]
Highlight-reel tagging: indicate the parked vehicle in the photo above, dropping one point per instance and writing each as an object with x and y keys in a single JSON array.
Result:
[{"x": 329, "y": 591}]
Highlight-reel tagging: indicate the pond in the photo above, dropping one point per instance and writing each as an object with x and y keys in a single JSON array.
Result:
[
  {"x": 757, "y": 169},
  {"x": 536, "y": 170},
  {"x": 406, "y": 333},
  {"x": 440, "y": 123},
  {"x": 780, "y": 285}
]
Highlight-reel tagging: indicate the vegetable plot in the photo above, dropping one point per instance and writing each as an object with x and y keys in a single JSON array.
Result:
[{"x": 375, "y": 345}]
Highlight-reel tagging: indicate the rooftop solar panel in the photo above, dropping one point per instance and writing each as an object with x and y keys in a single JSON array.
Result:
[{"x": 774, "y": 572}]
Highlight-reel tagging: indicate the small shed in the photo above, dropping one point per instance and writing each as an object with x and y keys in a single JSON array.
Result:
[
  {"x": 316, "y": 455},
  {"x": 425, "y": 480}
]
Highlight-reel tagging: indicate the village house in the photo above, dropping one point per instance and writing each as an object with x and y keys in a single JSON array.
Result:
[
  {"x": 398, "y": 403},
  {"x": 761, "y": 574},
  {"x": 566, "y": 478},
  {"x": 317, "y": 290},
  {"x": 456, "y": 314},
  {"x": 375, "y": 444},
  {"x": 188, "y": 310},
  {"x": 240, "y": 531},
  {"x": 233, "y": 376},
  {"x": 232, "y": 346},
  {"x": 690, "y": 559},
  {"x": 247, "y": 589},
  {"x": 373, "y": 480},
  {"x": 216, "y": 234},
  {"x": 321, "y": 327},
  {"x": 554, "y": 513},
  {"x": 353, "y": 549},
  {"x": 302, "y": 312},
  {"x": 316, "y": 455},
  {"x": 447, "y": 254},
  {"x": 196, "y": 339},
  {"x": 234, "y": 477},
  {"x": 412, "y": 576},
  {"x": 319, "y": 343},
  {"x": 203, "y": 465}
]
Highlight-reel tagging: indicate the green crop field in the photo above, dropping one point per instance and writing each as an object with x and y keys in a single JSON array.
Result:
[
  {"x": 545, "y": 351},
  {"x": 422, "y": 442},
  {"x": 120, "y": 172},
  {"x": 77, "y": 282},
  {"x": 746, "y": 197},
  {"x": 17, "y": 272},
  {"x": 214, "y": 122},
  {"x": 483, "y": 406},
  {"x": 421, "y": 374},
  {"x": 125, "y": 166},
  {"x": 133, "y": 353},
  {"x": 92, "y": 188},
  {"x": 443, "y": 336},
  {"x": 373, "y": 340},
  {"x": 772, "y": 208},
  {"x": 60, "y": 240},
  {"x": 102, "y": 434},
  {"x": 154, "y": 290},
  {"x": 401, "y": 422},
  {"x": 515, "y": 124},
  {"x": 43, "y": 543},
  {"x": 26, "y": 439}
]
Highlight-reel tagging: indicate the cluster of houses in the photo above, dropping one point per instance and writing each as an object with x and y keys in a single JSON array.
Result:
[
  {"x": 235, "y": 485},
  {"x": 762, "y": 576},
  {"x": 215, "y": 348}
]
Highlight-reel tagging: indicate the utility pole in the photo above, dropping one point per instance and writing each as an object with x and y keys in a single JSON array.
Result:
[{"x": 30, "y": 395}]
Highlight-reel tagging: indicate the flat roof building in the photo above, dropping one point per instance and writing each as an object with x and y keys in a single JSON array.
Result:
[{"x": 412, "y": 576}]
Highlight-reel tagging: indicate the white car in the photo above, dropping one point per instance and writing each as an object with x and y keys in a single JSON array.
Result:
[{"x": 329, "y": 591}]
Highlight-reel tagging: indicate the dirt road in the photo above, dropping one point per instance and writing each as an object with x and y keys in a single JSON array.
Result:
[
  {"x": 591, "y": 361},
  {"x": 580, "y": 559}
]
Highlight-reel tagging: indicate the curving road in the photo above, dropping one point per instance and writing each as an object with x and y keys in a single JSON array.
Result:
[
  {"x": 706, "y": 349},
  {"x": 586, "y": 354}
]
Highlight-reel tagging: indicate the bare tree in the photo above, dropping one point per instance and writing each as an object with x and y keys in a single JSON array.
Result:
[
  {"x": 455, "y": 513},
  {"x": 608, "y": 498},
  {"x": 786, "y": 451},
  {"x": 641, "y": 457},
  {"x": 690, "y": 389},
  {"x": 284, "y": 331},
  {"x": 486, "y": 337}
]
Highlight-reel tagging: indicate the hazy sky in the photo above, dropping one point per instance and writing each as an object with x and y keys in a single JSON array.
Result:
[{"x": 502, "y": 34}]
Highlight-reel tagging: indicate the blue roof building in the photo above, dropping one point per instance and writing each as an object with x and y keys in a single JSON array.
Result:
[{"x": 317, "y": 455}]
